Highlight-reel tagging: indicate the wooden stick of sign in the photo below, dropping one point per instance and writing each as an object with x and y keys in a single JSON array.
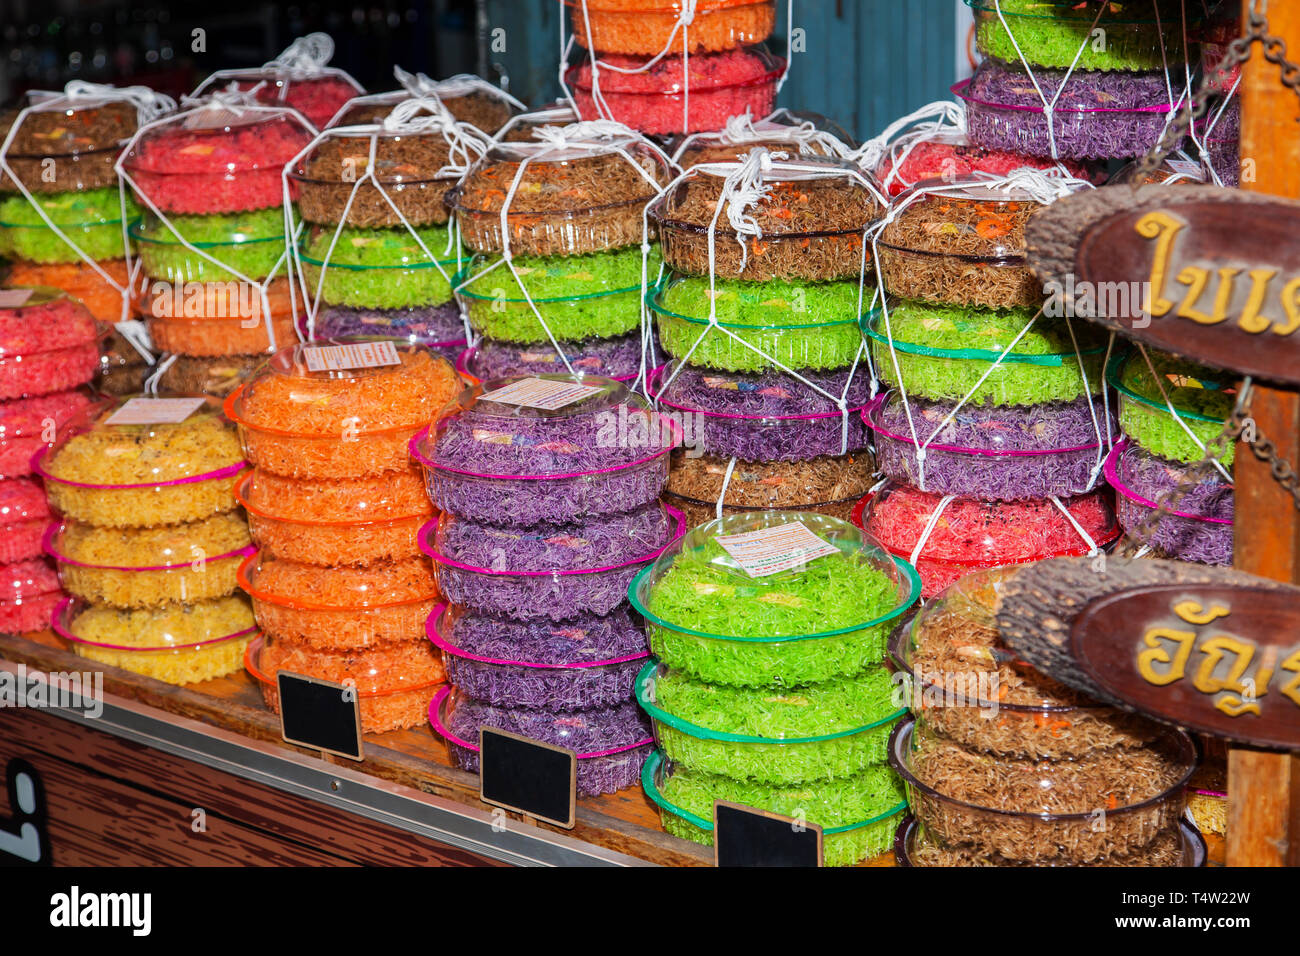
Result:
[{"x": 1264, "y": 788}]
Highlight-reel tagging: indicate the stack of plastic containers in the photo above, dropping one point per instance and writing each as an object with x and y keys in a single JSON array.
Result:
[
  {"x": 150, "y": 538},
  {"x": 671, "y": 67},
  {"x": 769, "y": 686},
  {"x": 61, "y": 218},
  {"x": 556, "y": 225},
  {"x": 376, "y": 256},
  {"x": 993, "y": 429},
  {"x": 766, "y": 370},
  {"x": 49, "y": 351},
  {"x": 1078, "y": 81},
  {"x": 1005, "y": 767},
  {"x": 211, "y": 239},
  {"x": 340, "y": 589},
  {"x": 549, "y": 492},
  {"x": 1170, "y": 411},
  {"x": 299, "y": 78}
]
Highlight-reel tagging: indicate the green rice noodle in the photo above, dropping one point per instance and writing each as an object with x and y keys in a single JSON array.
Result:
[{"x": 1203, "y": 397}]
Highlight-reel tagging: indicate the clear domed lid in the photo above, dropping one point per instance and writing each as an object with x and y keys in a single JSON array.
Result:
[
  {"x": 216, "y": 138},
  {"x": 172, "y": 627}
]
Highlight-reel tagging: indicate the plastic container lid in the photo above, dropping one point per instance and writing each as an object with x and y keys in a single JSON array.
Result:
[
  {"x": 976, "y": 224},
  {"x": 57, "y": 125},
  {"x": 433, "y": 326},
  {"x": 378, "y": 672},
  {"x": 773, "y": 397},
  {"x": 795, "y": 133},
  {"x": 306, "y": 587},
  {"x": 586, "y": 641},
  {"x": 1197, "y": 393},
  {"x": 213, "y": 140},
  {"x": 169, "y": 628},
  {"x": 646, "y": 27},
  {"x": 48, "y": 320},
  {"x": 175, "y": 551},
  {"x": 520, "y": 128},
  {"x": 617, "y": 358},
  {"x": 477, "y": 436},
  {"x": 948, "y": 156},
  {"x": 1094, "y": 94},
  {"x": 853, "y": 586},
  {"x": 1123, "y": 465},
  {"x": 394, "y": 496}
]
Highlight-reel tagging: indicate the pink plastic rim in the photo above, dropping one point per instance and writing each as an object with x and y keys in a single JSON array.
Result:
[
  {"x": 253, "y": 664},
  {"x": 959, "y": 89},
  {"x": 435, "y": 718},
  {"x": 55, "y": 529},
  {"x": 872, "y": 411},
  {"x": 652, "y": 389},
  {"x": 1111, "y": 470},
  {"x": 413, "y": 446},
  {"x": 464, "y": 358},
  {"x": 38, "y": 466},
  {"x": 434, "y": 633},
  {"x": 1220, "y": 794},
  {"x": 427, "y": 547},
  {"x": 56, "y": 624}
]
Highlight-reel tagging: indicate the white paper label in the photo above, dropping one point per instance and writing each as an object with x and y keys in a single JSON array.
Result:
[
  {"x": 14, "y": 298},
  {"x": 776, "y": 549},
  {"x": 155, "y": 411},
  {"x": 337, "y": 358},
  {"x": 542, "y": 393}
]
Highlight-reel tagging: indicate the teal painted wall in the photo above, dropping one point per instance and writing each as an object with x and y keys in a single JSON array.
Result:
[{"x": 866, "y": 62}]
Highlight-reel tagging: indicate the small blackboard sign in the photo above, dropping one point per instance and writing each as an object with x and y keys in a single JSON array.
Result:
[
  {"x": 743, "y": 836},
  {"x": 527, "y": 776},
  {"x": 319, "y": 714}
]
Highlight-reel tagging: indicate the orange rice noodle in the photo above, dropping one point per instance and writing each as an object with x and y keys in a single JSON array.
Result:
[{"x": 220, "y": 318}]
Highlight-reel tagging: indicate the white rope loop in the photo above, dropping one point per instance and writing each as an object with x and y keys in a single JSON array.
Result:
[
  {"x": 457, "y": 85},
  {"x": 743, "y": 130},
  {"x": 306, "y": 56},
  {"x": 942, "y": 117},
  {"x": 149, "y": 104}
]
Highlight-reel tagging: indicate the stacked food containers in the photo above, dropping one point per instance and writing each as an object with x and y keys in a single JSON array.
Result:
[
  {"x": 549, "y": 492},
  {"x": 339, "y": 587},
  {"x": 469, "y": 99},
  {"x": 765, "y": 369},
  {"x": 993, "y": 430},
  {"x": 557, "y": 226},
  {"x": 150, "y": 538},
  {"x": 216, "y": 291},
  {"x": 1005, "y": 767},
  {"x": 769, "y": 686}
]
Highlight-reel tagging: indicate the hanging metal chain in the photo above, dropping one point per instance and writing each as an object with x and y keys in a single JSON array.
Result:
[{"x": 1237, "y": 54}]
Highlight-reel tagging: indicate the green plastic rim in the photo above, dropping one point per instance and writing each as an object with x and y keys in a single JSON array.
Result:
[
  {"x": 320, "y": 263},
  {"x": 645, "y": 681},
  {"x": 136, "y": 226},
  {"x": 987, "y": 6},
  {"x": 913, "y": 593},
  {"x": 1053, "y": 359},
  {"x": 64, "y": 225},
  {"x": 1113, "y": 373},
  {"x": 463, "y": 275},
  {"x": 652, "y": 303},
  {"x": 656, "y": 760}
]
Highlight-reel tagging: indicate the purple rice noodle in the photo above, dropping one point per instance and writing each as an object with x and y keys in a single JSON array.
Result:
[
  {"x": 1149, "y": 476},
  {"x": 618, "y": 358}
]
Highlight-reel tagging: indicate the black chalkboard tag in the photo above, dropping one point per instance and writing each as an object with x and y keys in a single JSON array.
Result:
[
  {"x": 320, "y": 714},
  {"x": 743, "y": 836},
  {"x": 527, "y": 776}
]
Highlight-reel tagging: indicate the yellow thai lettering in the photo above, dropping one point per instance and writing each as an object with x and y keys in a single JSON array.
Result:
[
  {"x": 1164, "y": 229},
  {"x": 1157, "y": 654},
  {"x": 1291, "y": 689},
  {"x": 1215, "y": 650},
  {"x": 1194, "y": 613},
  {"x": 1251, "y": 320},
  {"x": 1290, "y": 302},
  {"x": 1198, "y": 278}
]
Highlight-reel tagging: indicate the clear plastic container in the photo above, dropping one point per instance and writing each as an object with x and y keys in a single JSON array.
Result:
[
  {"x": 340, "y": 608},
  {"x": 753, "y": 339},
  {"x": 997, "y": 453},
  {"x": 50, "y": 343},
  {"x": 90, "y": 223},
  {"x": 1198, "y": 530},
  {"x": 472, "y": 100},
  {"x": 647, "y": 27},
  {"x": 520, "y": 127},
  {"x": 123, "y": 367},
  {"x": 217, "y": 377},
  {"x": 1202, "y": 398},
  {"x": 24, "y": 516},
  {"x": 176, "y": 643},
  {"x": 29, "y": 425},
  {"x": 796, "y": 133},
  {"x": 616, "y": 358},
  {"x": 1180, "y": 846},
  {"x": 585, "y": 197},
  {"x": 611, "y": 743},
  {"x": 595, "y": 296},
  {"x": 83, "y": 137},
  {"x": 971, "y": 534},
  {"x": 965, "y": 684},
  {"x": 813, "y": 222},
  {"x": 436, "y": 327},
  {"x": 769, "y": 417},
  {"x": 142, "y": 476},
  {"x": 317, "y": 92},
  {"x": 547, "y": 571},
  {"x": 149, "y": 567},
  {"x": 1100, "y": 115},
  {"x": 771, "y": 735},
  {"x": 394, "y": 684},
  {"x": 517, "y": 465},
  {"x": 1061, "y": 34},
  {"x": 80, "y": 281},
  {"x": 1171, "y": 172},
  {"x": 412, "y": 169},
  {"x": 927, "y": 346},
  {"x": 825, "y": 619},
  {"x": 249, "y": 244},
  {"x": 29, "y": 593},
  {"x": 215, "y": 319},
  {"x": 685, "y": 801},
  {"x": 379, "y": 268},
  {"x": 342, "y": 423},
  {"x": 211, "y": 160},
  {"x": 582, "y": 664},
  {"x": 1117, "y": 803},
  {"x": 331, "y": 522},
  {"x": 656, "y": 102}
]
